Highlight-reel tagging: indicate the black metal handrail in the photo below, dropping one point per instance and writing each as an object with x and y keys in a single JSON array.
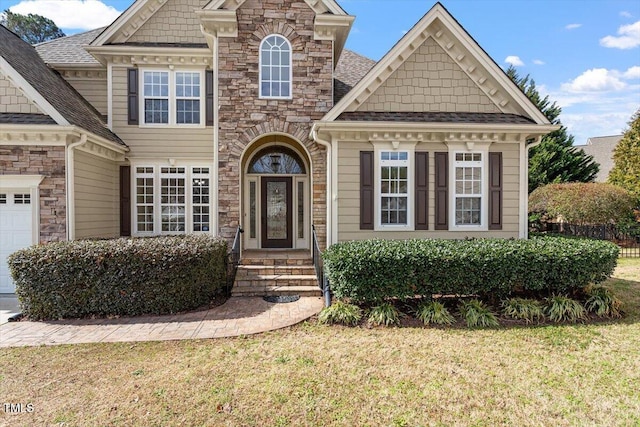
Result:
[
  {"x": 323, "y": 282},
  {"x": 234, "y": 257}
]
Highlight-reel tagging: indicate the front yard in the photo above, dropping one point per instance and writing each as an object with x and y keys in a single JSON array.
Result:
[{"x": 315, "y": 375}]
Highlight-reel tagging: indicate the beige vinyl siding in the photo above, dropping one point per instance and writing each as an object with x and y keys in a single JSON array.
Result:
[
  {"x": 429, "y": 80},
  {"x": 97, "y": 203},
  {"x": 12, "y": 99},
  {"x": 174, "y": 22},
  {"x": 349, "y": 195},
  {"x": 164, "y": 142},
  {"x": 93, "y": 89}
]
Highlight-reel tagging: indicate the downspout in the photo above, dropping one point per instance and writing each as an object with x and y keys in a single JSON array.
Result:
[
  {"x": 326, "y": 289},
  {"x": 70, "y": 174},
  {"x": 524, "y": 186}
]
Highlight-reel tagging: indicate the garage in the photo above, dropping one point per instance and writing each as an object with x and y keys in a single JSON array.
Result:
[{"x": 16, "y": 230}]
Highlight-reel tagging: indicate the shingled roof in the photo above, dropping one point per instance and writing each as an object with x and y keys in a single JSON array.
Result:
[
  {"x": 351, "y": 68},
  {"x": 70, "y": 49},
  {"x": 23, "y": 58},
  {"x": 434, "y": 117}
]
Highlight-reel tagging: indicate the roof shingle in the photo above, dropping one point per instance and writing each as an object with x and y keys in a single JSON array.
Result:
[
  {"x": 70, "y": 49},
  {"x": 434, "y": 117},
  {"x": 50, "y": 85},
  {"x": 26, "y": 118}
]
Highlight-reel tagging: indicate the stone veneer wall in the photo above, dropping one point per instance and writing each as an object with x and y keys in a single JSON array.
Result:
[
  {"x": 50, "y": 162},
  {"x": 244, "y": 117}
]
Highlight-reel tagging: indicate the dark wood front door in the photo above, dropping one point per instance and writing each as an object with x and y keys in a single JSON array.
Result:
[{"x": 277, "y": 212}]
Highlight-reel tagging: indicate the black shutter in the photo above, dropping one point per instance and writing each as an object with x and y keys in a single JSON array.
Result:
[
  {"x": 495, "y": 191},
  {"x": 125, "y": 200},
  {"x": 132, "y": 96},
  {"x": 366, "y": 190},
  {"x": 422, "y": 190},
  {"x": 209, "y": 97},
  {"x": 442, "y": 191}
]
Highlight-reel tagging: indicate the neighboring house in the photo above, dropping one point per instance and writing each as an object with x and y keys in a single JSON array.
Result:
[
  {"x": 227, "y": 113},
  {"x": 601, "y": 148}
]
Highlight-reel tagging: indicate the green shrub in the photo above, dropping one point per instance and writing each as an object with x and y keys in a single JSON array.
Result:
[
  {"x": 583, "y": 203},
  {"x": 372, "y": 271},
  {"x": 560, "y": 308},
  {"x": 384, "y": 314},
  {"x": 434, "y": 312},
  {"x": 340, "y": 313},
  {"x": 529, "y": 310},
  {"x": 602, "y": 302},
  {"x": 477, "y": 315},
  {"x": 119, "y": 277}
]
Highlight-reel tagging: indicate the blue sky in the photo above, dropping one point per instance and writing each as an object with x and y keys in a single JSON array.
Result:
[{"x": 584, "y": 54}]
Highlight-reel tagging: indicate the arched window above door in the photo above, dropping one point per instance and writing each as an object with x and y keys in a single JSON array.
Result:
[{"x": 277, "y": 160}]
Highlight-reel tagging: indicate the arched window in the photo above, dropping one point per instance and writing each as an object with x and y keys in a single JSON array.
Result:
[
  {"x": 277, "y": 160},
  {"x": 275, "y": 67}
]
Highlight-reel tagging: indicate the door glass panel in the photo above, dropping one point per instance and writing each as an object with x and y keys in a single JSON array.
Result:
[
  {"x": 276, "y": 210},
  {"x": 252, "y": 210},
  {"x": 301, "y": 210}
]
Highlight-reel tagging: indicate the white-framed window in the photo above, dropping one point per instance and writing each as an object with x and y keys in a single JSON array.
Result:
[
  {"x": 172, "y": 97},
  {"x": 394, "y": 188},
  {"x": 171, "y": 199},
  {"x": 394, "y": 180},
  {"x": 468, "y": 183},
  {"x": 276, "y": 72}
]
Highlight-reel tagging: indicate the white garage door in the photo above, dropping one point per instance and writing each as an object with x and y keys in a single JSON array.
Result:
[{"x": 16, "y": 222}]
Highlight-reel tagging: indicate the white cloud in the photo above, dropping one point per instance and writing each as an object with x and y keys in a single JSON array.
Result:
[
  {"x": 632, "y": 73},
  {"x": 595, "y": 80},
  {"x": 70, "y": 14},
  {"x": 573, "y": 26},
  {"x": 514, "y": 60},
  {"x": 626, "y": 14},
  {"x": 538, "y": 62},
  {"x": 586, "y": 125},
  {"x": 628, "y": 37}
]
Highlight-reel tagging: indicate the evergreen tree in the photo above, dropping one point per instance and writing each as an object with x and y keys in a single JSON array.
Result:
[
  {"x": 626, "y": 158},
  {"x": 31, "y": 28},
  {"x": 555, "y": 160}
]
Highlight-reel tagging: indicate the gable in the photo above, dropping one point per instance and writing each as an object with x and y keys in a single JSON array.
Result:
[
  {"x": 428, "y": 81},
  {"x": 174, "y": 22},
  {"x": 462, "y": 49},
  {"x": 12, "y": 100}
]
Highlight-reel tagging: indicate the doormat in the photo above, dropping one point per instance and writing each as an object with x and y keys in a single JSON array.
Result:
[{"x": 282, "y": 298}]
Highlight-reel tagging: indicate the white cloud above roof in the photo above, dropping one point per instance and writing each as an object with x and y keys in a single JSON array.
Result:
[
  {"x": 538, "y": 62},
  {"x": 595, "y": 80},
  {"x": 514, "y": 60},
  {"x": 71, "y": 14},
  {"x": 573, "y": 26},
  {"x": 628, "y": 37},
  {"x": 626, "y": 14},
  {"x": 632, "y": 73}
]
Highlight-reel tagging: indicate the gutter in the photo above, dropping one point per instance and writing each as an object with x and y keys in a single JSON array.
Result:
[{"x": 70, "y": 181}]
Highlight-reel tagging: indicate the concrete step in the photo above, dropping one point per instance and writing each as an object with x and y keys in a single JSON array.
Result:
[
  {"x": 303, "y": 291},
  {"x": 274, "y": 270},
  {"x": 276, "y": 280},
  {"x": 306, "y": 261}
]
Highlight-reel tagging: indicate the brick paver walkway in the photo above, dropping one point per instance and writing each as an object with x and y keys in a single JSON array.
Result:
[{"x": 238, "y": 316}]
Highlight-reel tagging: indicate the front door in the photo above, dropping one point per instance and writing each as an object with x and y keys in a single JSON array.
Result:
[{"x": 277, "y": 212}]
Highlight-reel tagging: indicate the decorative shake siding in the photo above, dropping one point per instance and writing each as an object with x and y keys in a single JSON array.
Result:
[
  {"x": 159, "y": 142},
  {"x": 97, "y": 207},
  {"x": 50, "y": 162},
  {"x": 12, "y": 100},
  {"x": 349, "y": 194},
  {"x": 244, "y": 117},
  {"x": 428, "y": 81},
  {"x": 91, "y": 84},
  {"x": 175, "y": 22}
]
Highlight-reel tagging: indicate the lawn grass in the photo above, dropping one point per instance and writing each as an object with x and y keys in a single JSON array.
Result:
[{"x": 311, "y": 375}]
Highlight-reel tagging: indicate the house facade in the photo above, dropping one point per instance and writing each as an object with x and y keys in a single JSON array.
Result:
[{"x": 202, "y": 116}]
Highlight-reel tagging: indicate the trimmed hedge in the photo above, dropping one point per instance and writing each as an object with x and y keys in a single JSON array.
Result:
[
  {"x": 119, "y": 277},
  {"x": 373, "y": 270}
]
